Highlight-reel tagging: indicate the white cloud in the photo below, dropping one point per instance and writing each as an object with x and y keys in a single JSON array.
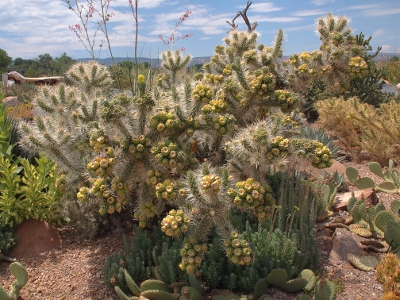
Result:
[
  {"x": 378, "y": 32},
  {"x": 142, "y": 3},
  {"x": 263, "y": 7},
  {"x": 201, "y": 19},
  {"x": 310, "y": 27},
  {"x": 321, "y": 2},
  {"x": 376, "y": 9},
  {"x": 307, "y": 13},
  {"x": 261, "y": 19}
]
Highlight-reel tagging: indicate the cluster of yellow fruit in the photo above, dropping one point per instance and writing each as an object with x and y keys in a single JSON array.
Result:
[
  {"x": 286, "y": 99},
  {"x": 262, "y": 84},
  {"x": 227, "y": 70},
  {"x": 139, "y": 146},
  {"x": 264, "y": 211},
  {"x": 237, "y": 250},
  {"x": 202, "y": 93},
  {"x": 215, "y": 106},
  {"x": 175, "y": 223},
  {"x": 170, "y": 156},
  {"x": 101, "y": 166},
  {"x": 97, "y": 141},
  {"x": 358, "y": 67},
  {"x": 166, "y": 153},
  {"x": 190, "y": 125},
  {"x": 222, "y": 123},
  {"x": 119, "y": 187},
  {"x": 278, "y": 148},
  {"x": 250, "y": 56},
  {"x": 314, "y": 151},
  {"x": 166, "y": 190},
  {"x": 146, "y": 211},
  {"x": 249, "y": 193},
  {"x": 111, "y": 200},
  {"x": 213, "y": 78},
  {"x": 211, "y": 183},
  {"x": 192, "y": 255},
  {"x": 322, "y": 156},
  {"x": 154, "y": 177},
  {"x": 164, "y": 122},
  {"x": 287, "y": 124}
]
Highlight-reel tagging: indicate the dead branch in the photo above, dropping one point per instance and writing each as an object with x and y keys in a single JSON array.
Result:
[
  {"x": 18, "y": 79},
  {"x": 243, "y": 14}
]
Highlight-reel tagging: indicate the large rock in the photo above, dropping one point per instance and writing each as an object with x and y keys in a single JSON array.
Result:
[
  {"x": 35, "y": 237},
  {"x": 345, "y": 243},
  {"x": 305, "y": 166}
]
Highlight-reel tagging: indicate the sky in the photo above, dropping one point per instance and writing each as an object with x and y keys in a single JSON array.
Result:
[{"x": 31, "y": 28}]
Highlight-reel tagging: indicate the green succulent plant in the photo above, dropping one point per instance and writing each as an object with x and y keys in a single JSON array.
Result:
[
  {"x": 390, "y": 176},
  {"x": 21, "y": 278}
]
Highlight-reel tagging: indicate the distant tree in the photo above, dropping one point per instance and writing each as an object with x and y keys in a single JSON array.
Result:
[
  {"x": 5, "y": 61},
  {"x": 395, "y": 58},
  {"x": 63, "y": 63},
  {"x": 44, "y": 65},
  {"x": 31, "y": 72}
]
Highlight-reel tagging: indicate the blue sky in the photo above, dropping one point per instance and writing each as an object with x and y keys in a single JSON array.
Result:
[{"x": 31, "y": 28}]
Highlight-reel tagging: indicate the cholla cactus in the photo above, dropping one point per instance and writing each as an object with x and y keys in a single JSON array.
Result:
[
  {"x": 177, "y": 146},
  {"x": 93, "y": 135},
  {"x": 340, "y": 58}
]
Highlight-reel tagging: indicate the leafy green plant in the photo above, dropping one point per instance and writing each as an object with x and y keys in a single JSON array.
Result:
[{"x": 32, "y": 194}]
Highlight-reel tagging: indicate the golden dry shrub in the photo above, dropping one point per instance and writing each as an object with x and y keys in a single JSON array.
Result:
[
  {"x": 361, "y": 126},
  {"x": 388, "y": 273},
  {"x": 334, "y": 116},
  {"x": 21, "y": 111}
]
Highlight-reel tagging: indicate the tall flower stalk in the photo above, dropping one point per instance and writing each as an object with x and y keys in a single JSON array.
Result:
[
  {"x": 82, "y": 31},
  {"x": 172, "y": 38},
  {"x": 134, "y": 8}
]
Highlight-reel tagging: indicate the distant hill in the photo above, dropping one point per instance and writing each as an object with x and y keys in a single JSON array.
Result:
[{"x": 155, "y": 62}]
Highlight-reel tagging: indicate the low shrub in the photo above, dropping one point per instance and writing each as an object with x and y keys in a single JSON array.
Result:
[{"x": 361, "y": 126}]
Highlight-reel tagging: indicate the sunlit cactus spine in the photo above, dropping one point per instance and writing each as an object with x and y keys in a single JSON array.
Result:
[
  {"x": 89, "y": 76},
  {"x": 174, "y": 62},
  {"x": 341, "y": 57},
  {"x": 245, "y": 75},
  {"x": 273, "y": 142},
  {"x": 96, "y": 137}
]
